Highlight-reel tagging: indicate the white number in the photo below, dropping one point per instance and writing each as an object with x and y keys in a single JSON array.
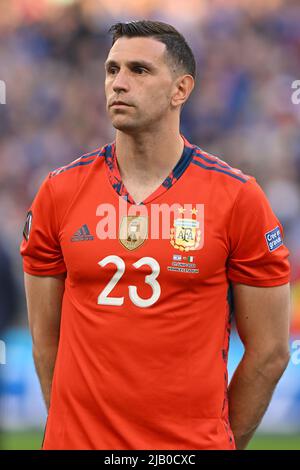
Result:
[
  {"x": 103, "y": 298},
  {"x": 150, "y": 279}
]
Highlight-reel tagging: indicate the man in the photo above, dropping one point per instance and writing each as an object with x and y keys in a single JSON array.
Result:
[{"x": 129, "y": 314}]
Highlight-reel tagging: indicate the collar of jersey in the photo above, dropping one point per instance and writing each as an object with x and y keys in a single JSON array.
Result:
[{"x": 116, "y": 181}]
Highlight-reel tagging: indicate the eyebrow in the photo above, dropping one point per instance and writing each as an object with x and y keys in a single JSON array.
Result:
[{"x": 132, "y": 63}]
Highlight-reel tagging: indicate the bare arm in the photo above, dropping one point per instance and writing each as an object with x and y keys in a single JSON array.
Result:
[
  {"x": 262, "y": 318},
  {"x": 44, "y": 297}
]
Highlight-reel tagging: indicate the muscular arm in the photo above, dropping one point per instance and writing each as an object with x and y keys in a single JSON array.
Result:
[
  {"x": 262, "y": 319},
  {"x": 44, "y": 298}
]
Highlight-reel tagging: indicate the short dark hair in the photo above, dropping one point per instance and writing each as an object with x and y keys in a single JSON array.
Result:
[{"x": 178, "y": 51}]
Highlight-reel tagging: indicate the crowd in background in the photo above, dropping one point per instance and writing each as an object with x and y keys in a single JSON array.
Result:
[{"x": 51, "y": 59}]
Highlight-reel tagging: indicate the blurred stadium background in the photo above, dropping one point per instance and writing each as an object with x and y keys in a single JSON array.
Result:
[{"x": 51, "y": 60}]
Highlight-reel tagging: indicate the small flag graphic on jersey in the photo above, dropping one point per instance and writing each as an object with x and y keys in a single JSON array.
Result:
[
  {"x": 189, "y": 259},
  {"x": 177, "y": 257},
  {"x": 83, "y": 234}
]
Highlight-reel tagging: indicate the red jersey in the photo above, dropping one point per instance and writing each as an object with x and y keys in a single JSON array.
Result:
[{"x": 145, "y": 322}]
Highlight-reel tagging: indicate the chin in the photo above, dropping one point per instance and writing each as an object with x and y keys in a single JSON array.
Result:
[{"x": 124, "y": 126}]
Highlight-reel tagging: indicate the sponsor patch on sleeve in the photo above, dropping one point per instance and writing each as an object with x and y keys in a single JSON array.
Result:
[
  {"x": 27, "y": 226},
  {"x": 274, "y": 239}
]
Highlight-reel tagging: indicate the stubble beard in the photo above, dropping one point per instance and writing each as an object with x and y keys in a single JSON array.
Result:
[{"x": 139, "y": 123}]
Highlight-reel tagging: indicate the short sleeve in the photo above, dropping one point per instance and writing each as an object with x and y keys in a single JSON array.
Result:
[
  {"x": 257, "y": 255},
  {"x": 40, "y": 247}
]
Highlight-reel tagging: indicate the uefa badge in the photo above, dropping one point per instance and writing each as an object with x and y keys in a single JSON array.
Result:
[
  {"x": 133, "y": 231},
  {"x": 186, "y": 233}
]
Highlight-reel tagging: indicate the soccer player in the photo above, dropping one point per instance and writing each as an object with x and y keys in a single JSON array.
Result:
[{"x": 130, "y": 253}]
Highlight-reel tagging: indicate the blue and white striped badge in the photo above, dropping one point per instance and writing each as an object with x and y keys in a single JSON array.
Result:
[{"x": 274, "y": 239}]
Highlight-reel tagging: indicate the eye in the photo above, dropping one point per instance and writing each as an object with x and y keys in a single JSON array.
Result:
[
  {"x": 111, "y": 70},
  {"x": 139, "y": 70}
]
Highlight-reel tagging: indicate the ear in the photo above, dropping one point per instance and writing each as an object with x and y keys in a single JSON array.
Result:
[{"x": 183, "y": 87}]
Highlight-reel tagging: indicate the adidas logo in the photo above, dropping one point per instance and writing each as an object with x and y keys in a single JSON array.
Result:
[{"x": 83, "y": 234}]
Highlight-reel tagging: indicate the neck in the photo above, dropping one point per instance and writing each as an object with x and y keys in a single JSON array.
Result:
[{"x": 148, "y": 155}]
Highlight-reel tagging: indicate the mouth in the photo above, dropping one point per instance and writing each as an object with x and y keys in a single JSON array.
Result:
[{"x": 119, "y": 103}]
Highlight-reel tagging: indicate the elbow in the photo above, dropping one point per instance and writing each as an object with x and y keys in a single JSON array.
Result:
[
  {"x": 280, "y": 364},
  {"x": 44, "y": 337},
  {"x": 272, "y": 363},
  {"x": 281, "y": 360},
  {"x": 43, "y": 346}
]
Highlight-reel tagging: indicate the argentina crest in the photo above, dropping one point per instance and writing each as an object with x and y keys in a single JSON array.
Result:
[
  {"x": 188, "y": 229},
  {"x": 133, "y": 231}
]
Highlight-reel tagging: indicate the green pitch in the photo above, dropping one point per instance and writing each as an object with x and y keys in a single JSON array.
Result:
[{"x": 32, "y": 440}]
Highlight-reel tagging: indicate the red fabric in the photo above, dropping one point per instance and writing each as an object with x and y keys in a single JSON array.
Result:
[{"x": 132, "y": 376}]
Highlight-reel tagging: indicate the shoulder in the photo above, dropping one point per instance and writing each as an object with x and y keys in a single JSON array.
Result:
[
  {"x": 218, "y": 169},
  {"x": 79, "y": 163},
  {"x": 227, "y": 183},
  {"x": 66, "y": 180}
]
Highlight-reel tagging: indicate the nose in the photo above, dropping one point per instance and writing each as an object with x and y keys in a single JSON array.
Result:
[{"x": 121, "y": 82}]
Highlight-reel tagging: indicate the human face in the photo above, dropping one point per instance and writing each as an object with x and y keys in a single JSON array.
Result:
[{"x": 138, "y": 75}]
